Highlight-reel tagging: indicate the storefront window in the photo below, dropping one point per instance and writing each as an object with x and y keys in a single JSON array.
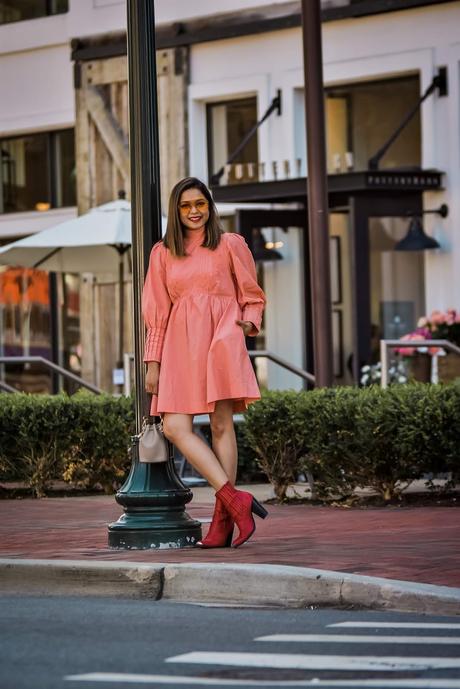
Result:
[
  {"x": 64, "y": 151},
  {"x": 25, "y": 326},
  {"x": 341, "y": 297},
  {"x": 37, "y": 172},
  {"x": 25, "y": 174},
  {"x": 228, "y": 123},
  {"x": 70, "y": 314},
  {"x": 18, "y": 10},
  {"x": 360, "y": 118},
  {"x": 397, "y": 280}
]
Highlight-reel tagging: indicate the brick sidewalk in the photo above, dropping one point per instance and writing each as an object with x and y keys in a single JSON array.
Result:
[{"x": 414, "y": 544}]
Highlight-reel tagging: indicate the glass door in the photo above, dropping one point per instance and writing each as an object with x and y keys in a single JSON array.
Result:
[
  {"x": 397, "y": 282},
  {"x": 342, "y": 297}
]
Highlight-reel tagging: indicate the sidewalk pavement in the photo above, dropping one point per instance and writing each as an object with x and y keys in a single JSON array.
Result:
[
  {"x": 416, "y": 544},
  {"x": 420, "y": 544}
]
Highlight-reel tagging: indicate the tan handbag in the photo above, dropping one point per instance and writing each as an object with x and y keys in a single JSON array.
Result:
[{"x": 153, "y": 446}]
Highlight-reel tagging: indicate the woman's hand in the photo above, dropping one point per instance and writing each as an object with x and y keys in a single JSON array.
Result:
[
  {"x": 246, "y": 326},
  {"x": 152, "y": 376}
]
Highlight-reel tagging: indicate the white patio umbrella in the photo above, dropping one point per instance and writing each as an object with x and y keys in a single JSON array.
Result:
[{"x": 96, "y": 242}]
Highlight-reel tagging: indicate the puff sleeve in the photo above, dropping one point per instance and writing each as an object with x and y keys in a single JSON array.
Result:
[
  {"x": 250, "y": 296},
  {"x": 156, "y": 304}
]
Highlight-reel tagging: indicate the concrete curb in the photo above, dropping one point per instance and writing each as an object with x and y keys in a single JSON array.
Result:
[
  {"x": 238, "y": 584},
  {"x": 81, "y": 578}
]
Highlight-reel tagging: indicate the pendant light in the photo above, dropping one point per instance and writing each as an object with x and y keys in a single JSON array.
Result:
[
  {"x": 260, "y": 251},
  {"x": 416, "y": 239}
]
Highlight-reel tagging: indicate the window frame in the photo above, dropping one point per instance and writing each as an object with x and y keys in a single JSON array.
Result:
[
  {"x": 49, "y": 12},
  {"x": 51, "y": 160},
  {"x": 209, "y": 138},
  {"x": 346, "y": 89}
]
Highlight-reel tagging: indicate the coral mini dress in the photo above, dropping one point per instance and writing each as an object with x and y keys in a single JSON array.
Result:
[{"x": 190, "y": 305}]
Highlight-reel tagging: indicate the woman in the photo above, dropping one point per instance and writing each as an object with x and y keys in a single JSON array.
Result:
[{"x": 200, "y": 300}]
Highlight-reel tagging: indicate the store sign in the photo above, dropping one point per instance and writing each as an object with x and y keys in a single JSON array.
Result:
[{"x": 416, "y": 181}]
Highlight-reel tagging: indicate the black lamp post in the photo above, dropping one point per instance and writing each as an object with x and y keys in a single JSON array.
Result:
[{"x": 153, "y": 496}]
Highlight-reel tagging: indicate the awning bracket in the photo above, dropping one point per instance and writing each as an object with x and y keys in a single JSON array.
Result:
[{"x": 439, "y": 82}]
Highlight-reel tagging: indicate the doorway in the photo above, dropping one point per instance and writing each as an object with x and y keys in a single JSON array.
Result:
[{"x": 397, "y": 281}]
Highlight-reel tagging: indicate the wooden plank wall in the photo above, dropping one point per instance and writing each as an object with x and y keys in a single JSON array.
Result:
[{"x": 102, "y": 156}]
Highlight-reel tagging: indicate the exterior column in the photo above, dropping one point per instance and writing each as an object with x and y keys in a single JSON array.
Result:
[{"x": 317, "y": 193}]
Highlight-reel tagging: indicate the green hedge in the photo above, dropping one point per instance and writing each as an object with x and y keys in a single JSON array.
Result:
[
  {"x": 344, "y": 438},
  {"x": 83, "y": 439},
  {"x": 347, "y": 438}
]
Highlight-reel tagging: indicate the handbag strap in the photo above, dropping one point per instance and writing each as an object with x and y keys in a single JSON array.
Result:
[{"x": 146, "y": 403}]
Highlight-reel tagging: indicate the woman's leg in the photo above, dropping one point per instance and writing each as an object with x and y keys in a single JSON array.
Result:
[
  {"x": 224, "y": 439},
  {"x": 178, "y": 429},
  {"x": 220, "y": 533}
]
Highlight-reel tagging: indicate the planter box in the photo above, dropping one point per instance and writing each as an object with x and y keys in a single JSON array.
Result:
[
  {"x": 448, "y": 368},
  {"x": 419, "y": 367}
]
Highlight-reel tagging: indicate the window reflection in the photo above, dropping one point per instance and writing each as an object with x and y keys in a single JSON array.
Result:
[
  {"x": 37, "y": 172},
  {"x": 228, "y": 124},
  {"x": 25, "y": 173},
  {"x": 25, "y": 325},
  {"x": 397, "y": 279},
  {"x": 65, "y": 168},
  {"x": 360, "y": 118},
  {"x": 18, "y": 10}
]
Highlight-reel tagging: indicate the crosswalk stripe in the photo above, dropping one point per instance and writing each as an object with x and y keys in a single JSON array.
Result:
[
  {"x": 127, "y": 678},
  {"x": 399, "y": 625},
  {"x": 360, "y": 639},
  {"x": 315, "y": 662}
]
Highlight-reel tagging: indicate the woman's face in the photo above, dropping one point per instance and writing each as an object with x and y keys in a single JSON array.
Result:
[{"x": 193, "y": 209}]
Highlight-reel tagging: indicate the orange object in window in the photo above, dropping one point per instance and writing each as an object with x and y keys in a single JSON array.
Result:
[{"x": 24, "y": 284}]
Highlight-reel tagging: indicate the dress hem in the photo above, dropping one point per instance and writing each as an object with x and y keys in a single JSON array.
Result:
[{"x": 240, "y": 405}]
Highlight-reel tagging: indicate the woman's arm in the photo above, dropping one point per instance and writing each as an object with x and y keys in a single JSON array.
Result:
[
  {"x": 250, "y": 296},
  {"x": 156, "y": 305}
]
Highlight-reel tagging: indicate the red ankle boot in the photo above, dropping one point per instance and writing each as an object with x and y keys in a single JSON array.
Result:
[
  {"x": 220, "y": 532},
  {"x": 240, "y": 505}
]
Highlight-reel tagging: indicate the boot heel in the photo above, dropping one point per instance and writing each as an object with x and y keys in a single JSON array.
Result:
[{"x": 258, "y": 509}]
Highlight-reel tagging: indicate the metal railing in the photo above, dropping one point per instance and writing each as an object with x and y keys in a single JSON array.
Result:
[
  {"x": 385, "y": 345},
  {"x": 63, "y": 372},
  {"x": 253, "y": 353},
  {"x": 7, "y": 388}
]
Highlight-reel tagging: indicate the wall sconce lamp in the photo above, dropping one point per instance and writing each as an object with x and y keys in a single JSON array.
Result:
[
  {"x": 416, "y": 239},
  {"x": 263, "y": 250}
]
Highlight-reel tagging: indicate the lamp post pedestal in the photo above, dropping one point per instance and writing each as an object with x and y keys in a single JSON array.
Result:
[{"x": 153, "y": 498}]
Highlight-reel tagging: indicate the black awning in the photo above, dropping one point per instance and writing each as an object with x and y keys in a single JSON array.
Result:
[{"x": 387, "y": 182}]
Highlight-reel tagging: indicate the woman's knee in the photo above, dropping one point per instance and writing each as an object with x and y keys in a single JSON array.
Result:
[
  {"x": 220, "y": 426},
  {"x": 174, "y": 429}
]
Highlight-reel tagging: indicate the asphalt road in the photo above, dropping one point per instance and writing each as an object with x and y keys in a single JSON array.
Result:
[{"x": 50, "y": 642}]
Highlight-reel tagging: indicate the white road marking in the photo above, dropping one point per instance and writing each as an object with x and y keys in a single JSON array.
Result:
[
  {"x": 399, "y": 625},
  {"x": 315, "y": 662},
  {"x": 361, "y": 639},
  {"x": 117, "y": 677}
]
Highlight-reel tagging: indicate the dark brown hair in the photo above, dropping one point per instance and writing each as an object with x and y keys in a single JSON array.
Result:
[{"x": 175, "y": 232}]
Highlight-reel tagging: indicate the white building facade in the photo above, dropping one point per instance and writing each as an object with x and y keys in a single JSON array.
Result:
[{"x": 377, "y": 64}]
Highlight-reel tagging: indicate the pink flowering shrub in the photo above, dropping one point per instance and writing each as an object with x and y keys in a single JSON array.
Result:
[
  {"x": 441, "y": 325},
  {"x": 445, "y": 325}
]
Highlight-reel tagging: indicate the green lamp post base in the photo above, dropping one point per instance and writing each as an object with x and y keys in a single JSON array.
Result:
[{"x": 154, "y": 500}]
